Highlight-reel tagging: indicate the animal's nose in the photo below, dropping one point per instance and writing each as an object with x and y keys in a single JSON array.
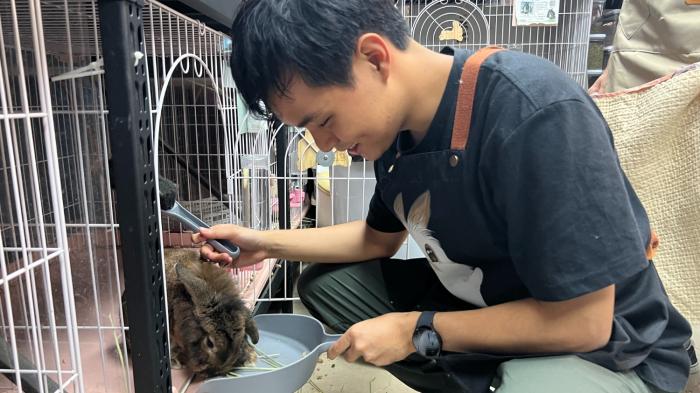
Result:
[{"x": 430, "y": 253}]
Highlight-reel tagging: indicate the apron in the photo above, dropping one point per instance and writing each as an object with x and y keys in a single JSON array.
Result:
[
  {"x": 446, "y": 171},
  {"x": 414, "y": 183}
]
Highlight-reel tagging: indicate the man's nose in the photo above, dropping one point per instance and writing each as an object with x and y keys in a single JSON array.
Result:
[{"x": 324, "y": 140}]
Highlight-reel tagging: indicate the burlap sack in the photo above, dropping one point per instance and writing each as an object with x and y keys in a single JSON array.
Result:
[{"x": 657, "y": 135}]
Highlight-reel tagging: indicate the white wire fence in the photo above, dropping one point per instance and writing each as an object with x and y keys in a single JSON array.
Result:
[
  {"x": 56, "y": 195},
  {"x": 473, "y": 24},
  {"x": 39, "y": 348}
]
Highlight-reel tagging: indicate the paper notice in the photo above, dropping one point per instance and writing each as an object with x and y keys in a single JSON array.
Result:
[{"x": 535, "y": 12}]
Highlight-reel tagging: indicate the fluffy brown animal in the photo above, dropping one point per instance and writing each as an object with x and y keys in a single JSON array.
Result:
[{"x": 209, "y": 322}]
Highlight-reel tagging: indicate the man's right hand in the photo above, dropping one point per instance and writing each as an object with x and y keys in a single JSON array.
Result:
[
  {"x": 250, "y": 242},
  {"x": 350, "y": 242}
]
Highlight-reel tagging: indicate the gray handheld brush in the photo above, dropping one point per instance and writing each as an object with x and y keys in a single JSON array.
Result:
[{"x": 169, "y": 206}]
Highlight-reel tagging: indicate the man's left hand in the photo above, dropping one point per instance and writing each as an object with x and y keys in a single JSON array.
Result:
[{"x": 379, "y": 341}]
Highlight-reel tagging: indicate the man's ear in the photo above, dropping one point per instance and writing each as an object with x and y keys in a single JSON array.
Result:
[{"x": 375, "y": 51}]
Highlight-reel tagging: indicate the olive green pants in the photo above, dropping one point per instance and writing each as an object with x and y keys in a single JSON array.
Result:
[{"x": 342, "y": 294}]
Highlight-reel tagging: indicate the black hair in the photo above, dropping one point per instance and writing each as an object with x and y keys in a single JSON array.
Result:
[{"x": 274, "y": 40}]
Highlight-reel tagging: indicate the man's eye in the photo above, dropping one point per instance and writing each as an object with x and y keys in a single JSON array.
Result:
[{"x": 326, "y": 121}]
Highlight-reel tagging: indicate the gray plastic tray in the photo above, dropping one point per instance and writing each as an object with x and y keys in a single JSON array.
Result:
[{"x": 298, "y": 340}]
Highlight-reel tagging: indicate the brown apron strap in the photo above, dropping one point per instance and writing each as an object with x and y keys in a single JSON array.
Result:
[{"x": 465, "y": 98}]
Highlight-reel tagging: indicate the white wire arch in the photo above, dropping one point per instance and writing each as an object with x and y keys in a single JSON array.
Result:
[
  {"x": 164, "y": 89},
  {"x": 159, "y": 111}
]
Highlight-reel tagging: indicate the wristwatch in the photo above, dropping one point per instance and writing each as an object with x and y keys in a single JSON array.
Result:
[{"x": 426, "y": 340}]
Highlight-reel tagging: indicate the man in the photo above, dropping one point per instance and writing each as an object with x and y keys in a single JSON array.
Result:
[{"x": 536, "y": 276}]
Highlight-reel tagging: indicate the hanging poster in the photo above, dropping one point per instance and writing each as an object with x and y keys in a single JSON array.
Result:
[{"x": 535, "y": 12}]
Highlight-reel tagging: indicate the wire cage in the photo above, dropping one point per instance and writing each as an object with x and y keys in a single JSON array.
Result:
[
  {"x": 62, "y": 277},
  {"x": 473, "y": 24},
  {"x": 39, "y": 347},
  {"x": 253, "y": 183}
]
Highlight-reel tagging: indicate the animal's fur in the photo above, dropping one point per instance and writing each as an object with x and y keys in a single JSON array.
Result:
[{"x": 208, "y": 321}]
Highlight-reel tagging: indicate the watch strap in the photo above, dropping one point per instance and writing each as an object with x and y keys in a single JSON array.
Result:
[{"x": 425, "y": 320}]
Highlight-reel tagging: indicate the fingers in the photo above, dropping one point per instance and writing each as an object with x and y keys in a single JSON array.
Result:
[
  {"x": 600, "y": 83},
  {"x": 595, "y": 88},
  {"x": 344, "y": 346},
  {"x": 215, "y": 232},
  {"x": 207, "y": 252},
  {"x": 223, "y": 231},
  {"x": 339, "y": 346},
  {"x": 351, "y": 355}
]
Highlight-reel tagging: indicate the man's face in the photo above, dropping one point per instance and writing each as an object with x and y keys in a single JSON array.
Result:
[{"x": 361, "y": 118}]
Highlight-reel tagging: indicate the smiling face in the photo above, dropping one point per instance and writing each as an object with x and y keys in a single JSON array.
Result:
[{"x": 363, "y": 118}]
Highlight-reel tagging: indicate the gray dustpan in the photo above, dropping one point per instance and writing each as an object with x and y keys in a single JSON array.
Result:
[{"x": 298, "y": 340}]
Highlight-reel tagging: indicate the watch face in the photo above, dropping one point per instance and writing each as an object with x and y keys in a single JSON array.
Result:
[{"x": 427, "y": 342}]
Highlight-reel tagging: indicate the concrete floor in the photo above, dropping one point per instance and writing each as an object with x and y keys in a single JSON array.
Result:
[{"x": 339, "y": 376}]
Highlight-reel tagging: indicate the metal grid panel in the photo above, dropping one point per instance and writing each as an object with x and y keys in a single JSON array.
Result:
[
  {"x": 39, "y": 348},
  {"x": 194, "y": 105},
  {"x": 489, "y": 22},
  {"x": 194, "y": 108},
  {"x": 254, "y": 185},
  {"x": 333, "y": 193}
]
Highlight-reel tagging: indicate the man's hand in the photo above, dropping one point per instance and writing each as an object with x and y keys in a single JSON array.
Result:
[
  {"x": 600, "y": 83},
  {"x": 250, "y": 242},
  {"x": 379, "y": 341}
]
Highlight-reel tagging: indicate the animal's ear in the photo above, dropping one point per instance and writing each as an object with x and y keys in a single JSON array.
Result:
[
  {"x": 195, "y": 286},
  {"x": 251, "y": 330},
  {"x": 398, "y": 208},
  {"x": 420, "y": 210}
]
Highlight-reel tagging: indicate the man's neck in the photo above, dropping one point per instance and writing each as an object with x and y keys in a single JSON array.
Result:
[{"x": 427, "y": 73}]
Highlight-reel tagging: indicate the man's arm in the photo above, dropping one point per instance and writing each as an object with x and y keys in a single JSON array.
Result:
[
  {"x": 582, "y": 324},
  {"x": 350, "y": 242}
]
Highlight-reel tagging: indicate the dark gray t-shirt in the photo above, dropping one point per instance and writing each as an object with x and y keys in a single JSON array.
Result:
[{"x": 564, "y": 217}]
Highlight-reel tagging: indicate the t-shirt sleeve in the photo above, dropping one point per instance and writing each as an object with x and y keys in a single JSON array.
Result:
[
  {"x": 380, "y": 217},
  {"x": 559, "y": 187}
]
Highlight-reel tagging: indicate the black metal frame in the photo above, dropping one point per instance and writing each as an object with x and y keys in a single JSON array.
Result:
[{"x": 131, "y": 143}]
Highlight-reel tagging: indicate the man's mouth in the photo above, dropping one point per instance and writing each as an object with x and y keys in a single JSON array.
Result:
[{"x": 353, "y": 150}]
